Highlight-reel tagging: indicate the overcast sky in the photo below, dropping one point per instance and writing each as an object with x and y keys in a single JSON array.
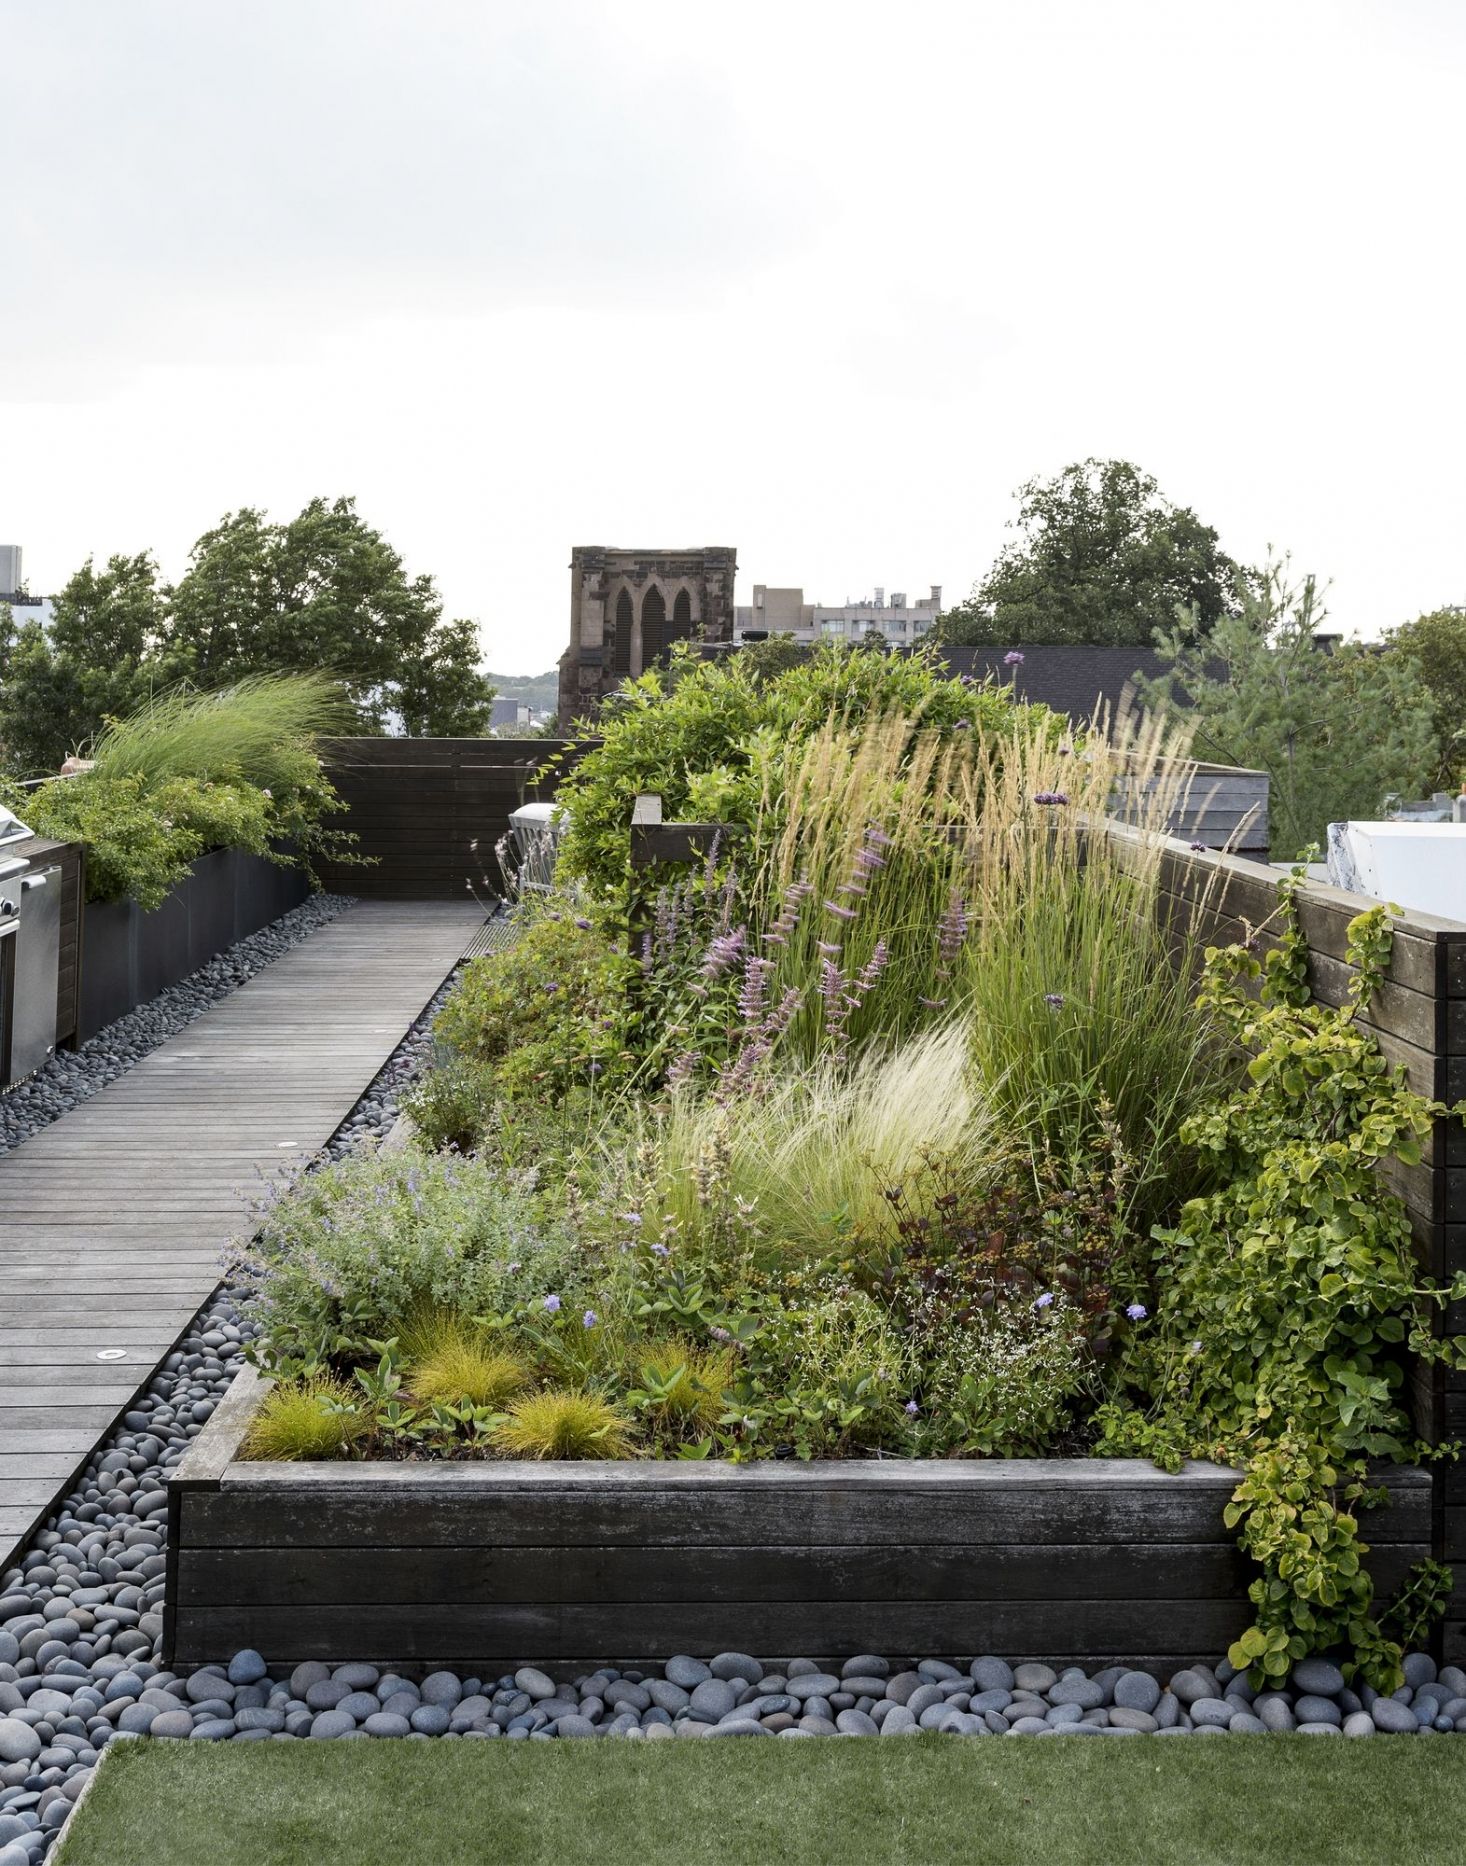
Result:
[{"x": 822, "y": 282}]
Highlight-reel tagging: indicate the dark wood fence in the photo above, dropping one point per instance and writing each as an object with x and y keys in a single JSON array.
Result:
[
  {"x": 1418, "y": 1017},
  {"x": 429, "y": 811}
]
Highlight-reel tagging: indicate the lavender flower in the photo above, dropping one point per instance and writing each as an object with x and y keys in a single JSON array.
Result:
[
  {"x": 1137, "y": 1311},
  {"x": 1045, "y": 1300},
  {"x": 1013, "y": 658},
  {"x": 589, "y": 1319},
  {"x": 828, "y": 947},
  {"x": 552, "y": 1305},
  {"x": 1054, "y": 1000},
  {"x": 753, "y": 992},
  {"x": 724, "y": 952},
  {"x": 720, "y": 1334},
  {"x": 932, "y": 1004},
  {"x": 683, "y": 1066},
  {"x": 840, "y": 913},
  {"x": 630, "y": 1218},
  {"x": 1197, "y": 848},
  {"x": 1050, "y": 796},
  {"x": 951, "y": 933},
  {"x": 912, "y": 1408},
  {"x": 582, "y": 923},
  {"x": 660, "y": 1250}
]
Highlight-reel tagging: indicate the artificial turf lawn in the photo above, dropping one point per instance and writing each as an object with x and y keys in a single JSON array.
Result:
[{"x": 1242, "y": 1801}]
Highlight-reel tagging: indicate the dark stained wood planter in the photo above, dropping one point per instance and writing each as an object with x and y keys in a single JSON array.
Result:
[{"x": 476, "y": 1566}]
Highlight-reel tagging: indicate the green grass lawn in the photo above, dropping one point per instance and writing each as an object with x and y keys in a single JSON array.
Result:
[{"x": 1245, "y": 1801}]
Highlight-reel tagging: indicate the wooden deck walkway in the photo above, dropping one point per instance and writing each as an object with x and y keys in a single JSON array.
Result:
[{"x": 112, "y": 1219}]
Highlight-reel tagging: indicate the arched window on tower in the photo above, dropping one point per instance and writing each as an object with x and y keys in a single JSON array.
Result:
[
  {"x": 681, "y": 617},
  {"x": 653, "y": 626},
  {"x": 621, "y": 640}
]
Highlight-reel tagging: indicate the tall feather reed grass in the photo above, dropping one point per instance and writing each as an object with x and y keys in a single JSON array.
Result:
[
  {"x": 978, "y": 877},
  {"x": 260, "y": 730}
]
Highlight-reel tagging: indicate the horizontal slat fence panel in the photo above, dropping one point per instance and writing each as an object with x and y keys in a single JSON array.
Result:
[{"x": 427, "y": 813}]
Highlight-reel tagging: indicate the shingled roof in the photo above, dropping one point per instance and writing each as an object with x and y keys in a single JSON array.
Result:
[{"x": 1072, "y": 678}]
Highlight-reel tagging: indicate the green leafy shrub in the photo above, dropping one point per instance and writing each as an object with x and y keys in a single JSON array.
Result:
[
  {"x": 360, "y": 1249},
  {"x": 1288, "y": 1297},
  {"x": 311, "y": 1419},
  {"x": 541, "y": 1015},
  {"x": 695, "y": 733},
  {"x": 191, "y": 772},
  {"x": 563, "y": 1424},
  {"x": 1006, "y": 1386}
]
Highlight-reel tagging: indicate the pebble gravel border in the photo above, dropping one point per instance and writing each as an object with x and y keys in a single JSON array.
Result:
[
  {"x": 71, "y": 1076},
  {"x": 81, "y": 1623}
]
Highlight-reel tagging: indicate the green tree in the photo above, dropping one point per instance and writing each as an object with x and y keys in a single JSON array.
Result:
[
  {"x": 1100, "y": 556},
  {"x": 1336, "y": 732},
  {"x": 97, "y": 660},
  {"x": 327, "y": 592},
  {"x": 1436, "y": 645}
]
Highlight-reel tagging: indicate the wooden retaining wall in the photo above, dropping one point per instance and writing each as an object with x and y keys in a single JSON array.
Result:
[
  {"x": 429, "y": 811},
  {"x": 480, "y": 1566}
]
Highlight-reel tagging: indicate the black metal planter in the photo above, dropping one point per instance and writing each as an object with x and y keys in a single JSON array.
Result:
[{"x": 129, "y": 956}]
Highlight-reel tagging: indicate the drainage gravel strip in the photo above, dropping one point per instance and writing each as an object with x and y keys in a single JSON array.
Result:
[{"x": 81, "y": 1622}]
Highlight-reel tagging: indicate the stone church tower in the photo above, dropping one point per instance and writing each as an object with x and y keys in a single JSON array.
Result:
[{"x": 628, "y": 607}]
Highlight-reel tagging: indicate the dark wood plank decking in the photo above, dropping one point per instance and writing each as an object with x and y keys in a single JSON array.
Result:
[{"x": 112, "y": 1219}]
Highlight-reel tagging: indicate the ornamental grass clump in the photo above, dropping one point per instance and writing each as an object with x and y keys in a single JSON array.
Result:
[
  {"x": 679, "y": 1386},
  {"x": 464, "y": 1372},
  {"x": 261, "y": 730},
  {"x": 562, "y": 1423},
  {"x": 190, "y": 772},
  {"x": 310, "y": 1419},
  {"x": 811, "y": 1158}
]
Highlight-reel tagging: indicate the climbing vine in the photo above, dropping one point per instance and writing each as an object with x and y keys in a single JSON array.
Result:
[{"x": 1289, "y": 1300}]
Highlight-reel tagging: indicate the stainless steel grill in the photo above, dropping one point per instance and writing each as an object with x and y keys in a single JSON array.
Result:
[{"x": 30, "y": 952}]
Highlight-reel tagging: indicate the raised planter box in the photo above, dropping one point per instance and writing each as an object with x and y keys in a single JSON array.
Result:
[
  {"x": 479, "y": 1566},
  {"x": 129, "y": 955}
]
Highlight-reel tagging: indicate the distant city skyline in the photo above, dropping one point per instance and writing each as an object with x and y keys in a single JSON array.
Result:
[{"x": 522, "y": 276}]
